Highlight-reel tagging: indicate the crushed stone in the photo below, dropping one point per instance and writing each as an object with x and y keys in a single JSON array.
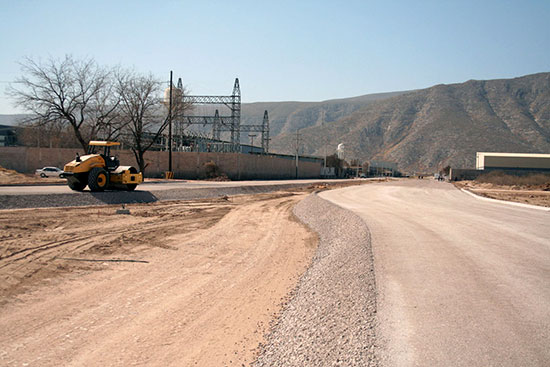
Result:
[{"x": 331, "y": 318}]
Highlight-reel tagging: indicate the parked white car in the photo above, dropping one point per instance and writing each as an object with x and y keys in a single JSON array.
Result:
[{"x": 49, "y": 172}]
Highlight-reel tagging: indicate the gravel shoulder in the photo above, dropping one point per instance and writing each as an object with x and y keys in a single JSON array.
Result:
[{"x": 330, "y": 320}]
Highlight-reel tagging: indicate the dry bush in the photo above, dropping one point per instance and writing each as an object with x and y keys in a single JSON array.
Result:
[
  {"x": 211, "y": 169},
  {"x": 501, "y": 178}
]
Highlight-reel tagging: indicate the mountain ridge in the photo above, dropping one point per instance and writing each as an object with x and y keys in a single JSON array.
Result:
[
  {"x": 289, "y": 116},
  {"x": 441, "y": 125}
]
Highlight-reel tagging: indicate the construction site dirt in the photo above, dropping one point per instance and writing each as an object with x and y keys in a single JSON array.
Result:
[
  {"x": 537, "y": 195},
  {"x": 199, "y": 279}
]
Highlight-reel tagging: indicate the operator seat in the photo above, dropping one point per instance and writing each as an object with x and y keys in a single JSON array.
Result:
[{"x": 111, "y": 163}]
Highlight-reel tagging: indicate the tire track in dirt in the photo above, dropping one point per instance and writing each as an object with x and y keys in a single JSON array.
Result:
[
  {"x": 207, "y": 302},
  {"x": 97, "y": 231}
]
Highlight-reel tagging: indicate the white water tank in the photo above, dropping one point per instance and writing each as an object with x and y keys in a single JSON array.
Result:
[
  {"x": 340, "y": 151},
  {"x": 177, "y": 95}
]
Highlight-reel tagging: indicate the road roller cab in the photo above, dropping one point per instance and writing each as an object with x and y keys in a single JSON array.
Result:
[{"x": 100, "y": 171}]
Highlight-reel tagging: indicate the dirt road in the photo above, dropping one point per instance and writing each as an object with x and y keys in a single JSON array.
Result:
[
  {"x": 461, "y": 281},
  {"x": 183, "y": 283}
]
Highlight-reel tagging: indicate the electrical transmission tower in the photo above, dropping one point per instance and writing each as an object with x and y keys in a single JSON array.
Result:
[
  {"x": 263, "y": 128},
  {"x": 221, "y": 123}
]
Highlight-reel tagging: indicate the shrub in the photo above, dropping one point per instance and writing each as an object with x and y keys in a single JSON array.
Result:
[
  {"x": 211, "y": 169},
  {"x": 501, "y": 178}
]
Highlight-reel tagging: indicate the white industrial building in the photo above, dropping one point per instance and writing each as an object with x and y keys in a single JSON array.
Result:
[{"x": 513, "y": 161}]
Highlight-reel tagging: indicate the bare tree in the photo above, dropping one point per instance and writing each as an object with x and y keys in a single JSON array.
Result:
[
  {"x": 34, "y": 133},
  {"x": 143, "y": 113},
  {"x": 74, "y": 92},
  {"x": 55, "y": 134},
  {"x": 365, "y": 167},
  {"x": 140, "y": 110},
  {"x": 104, "y": 113},
  {"x": 337, "y": 163}
]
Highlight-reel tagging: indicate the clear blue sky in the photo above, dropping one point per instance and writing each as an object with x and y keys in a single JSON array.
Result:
[{"x": 285, "y": 50}]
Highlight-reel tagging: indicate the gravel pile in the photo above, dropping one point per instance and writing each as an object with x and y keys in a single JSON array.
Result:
[
  {"x": 124, "y": 197},
  {"x": 330, "y": 320}
]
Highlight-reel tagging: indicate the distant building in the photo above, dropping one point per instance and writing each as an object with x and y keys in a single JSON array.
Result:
[
  {"x": 382, "y": 168},
  {"x": 328, "y": 172},
  {"x": 251, "y": 149},
  {"x": 512, "y": 161},
  {"x": 8, "y": 136}
]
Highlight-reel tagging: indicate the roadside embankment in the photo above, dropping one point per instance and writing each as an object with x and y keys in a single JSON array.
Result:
[
  {"x": 330, "y": 320},
  {"x": 87, "y": 198},
  {"x": 44, "y": 199},
  {"x": 532, "y": 190}
]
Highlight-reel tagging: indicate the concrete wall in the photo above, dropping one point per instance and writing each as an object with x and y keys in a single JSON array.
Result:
[
  {"x": 26, "y": 160},
  {"x": 187, "y": 165}
]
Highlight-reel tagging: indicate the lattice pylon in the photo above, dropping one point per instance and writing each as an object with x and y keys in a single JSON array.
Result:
[
  {"x": 216, "y": 128},
  {"x": 236, "y": 115}
]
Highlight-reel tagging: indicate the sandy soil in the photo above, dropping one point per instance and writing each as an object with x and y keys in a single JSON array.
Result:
[
  {"x": 11, "y": 177},
  {"x": 178, "y": 283},
  {"x": 536, "y": 195}
]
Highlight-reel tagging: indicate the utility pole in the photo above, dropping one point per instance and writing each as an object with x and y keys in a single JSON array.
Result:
[
  {"x": 170, "y": 128},
  {"x": 297, "y": 150},
  {"x": 325, "y": 142},
  {"x": 325, "y": 164},
  {"x": 252, "y": 136}
]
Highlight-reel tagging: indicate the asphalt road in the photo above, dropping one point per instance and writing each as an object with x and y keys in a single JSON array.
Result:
[{"x": 460, "y": 281}]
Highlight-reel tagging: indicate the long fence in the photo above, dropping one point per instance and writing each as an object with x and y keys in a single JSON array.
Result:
[{"x": 186, "y": 165}]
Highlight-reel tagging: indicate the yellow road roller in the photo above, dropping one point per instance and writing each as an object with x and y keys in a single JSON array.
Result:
[{"x": 100, "y": 171}]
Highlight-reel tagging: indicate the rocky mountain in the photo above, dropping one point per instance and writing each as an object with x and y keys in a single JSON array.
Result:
[
  {"x": 428, "y": 129},
  {"x": 287, "y": 117}
]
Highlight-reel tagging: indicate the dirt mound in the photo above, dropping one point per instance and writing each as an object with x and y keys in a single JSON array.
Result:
[
  {"x": 531, "y": 181},
  {"x": 12, "y": 177},
  {"x": 9, "y": 176},
  {"x": 8, "y": 172}
]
